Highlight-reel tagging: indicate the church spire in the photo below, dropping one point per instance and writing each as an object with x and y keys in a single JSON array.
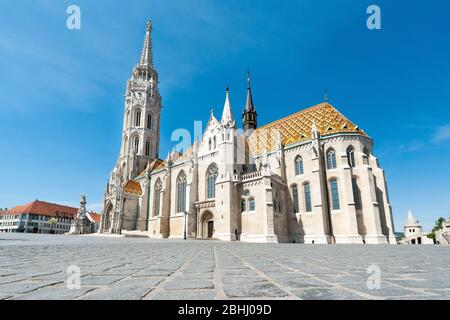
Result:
[
  {"x": 147, "y": 54},
  {"x": 249, "y": 105},
  {"x": 249, "y": 115},
  {"x": 227, "y": 115}
]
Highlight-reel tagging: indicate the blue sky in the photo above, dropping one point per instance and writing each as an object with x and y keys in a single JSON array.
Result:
[{"x": 61, "y": 91}]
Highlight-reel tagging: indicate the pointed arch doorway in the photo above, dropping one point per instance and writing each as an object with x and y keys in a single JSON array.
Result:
[{"x": 207, "y": 225}]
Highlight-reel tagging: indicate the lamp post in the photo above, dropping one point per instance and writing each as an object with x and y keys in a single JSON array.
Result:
[{"x": 185, "y": 224}]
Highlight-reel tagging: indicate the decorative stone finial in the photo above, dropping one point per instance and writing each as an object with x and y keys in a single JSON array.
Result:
[{"x": 149, "y": 26}]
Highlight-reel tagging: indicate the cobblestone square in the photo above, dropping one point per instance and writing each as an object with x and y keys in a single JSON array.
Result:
[{"x": 35, "y": 267}]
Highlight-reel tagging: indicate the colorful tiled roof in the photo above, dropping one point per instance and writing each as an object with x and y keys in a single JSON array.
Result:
[
  {"x": 133, "y": 187},
  {"x": 155, "y": 165},
  {"x": 44, "y": 209},
  {"x": 297, "y": 127}
]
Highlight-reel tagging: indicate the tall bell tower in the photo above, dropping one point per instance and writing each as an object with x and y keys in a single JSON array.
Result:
[{"x": 140, "y": 136}]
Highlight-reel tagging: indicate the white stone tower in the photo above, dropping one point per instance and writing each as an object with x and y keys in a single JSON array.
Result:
[
  {"x": 140, "y": 137},
  {"x": 412, "y": 226}
]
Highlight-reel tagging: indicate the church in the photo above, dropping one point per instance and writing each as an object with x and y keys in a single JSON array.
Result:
[{"x": 310, "y": 177}]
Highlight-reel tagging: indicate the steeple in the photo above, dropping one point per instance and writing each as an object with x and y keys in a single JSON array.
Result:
[
  {"x": 147, "y": 54},
  {"x": 411, "y": 221},
  {"x": 227, "y": 115},
  {"x": 249, "y": 115}
]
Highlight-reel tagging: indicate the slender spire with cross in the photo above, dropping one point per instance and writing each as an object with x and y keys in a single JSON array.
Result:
[
  {"x": 147, "y": 54},
  {"x": 249, "y": 115},
  {"x": 227, "y": 115}
]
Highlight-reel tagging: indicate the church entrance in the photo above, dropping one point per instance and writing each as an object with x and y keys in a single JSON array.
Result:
[
  {"x": 207, "y": 225},
  {"x": 107, "y": 218},
  {"x": 210, "y": 229}
]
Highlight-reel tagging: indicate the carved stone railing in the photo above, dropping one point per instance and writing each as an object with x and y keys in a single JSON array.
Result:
[{"x": 251, "y": 175}]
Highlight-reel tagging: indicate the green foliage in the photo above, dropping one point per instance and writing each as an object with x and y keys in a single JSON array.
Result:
[{"x": 437, "y": 227}]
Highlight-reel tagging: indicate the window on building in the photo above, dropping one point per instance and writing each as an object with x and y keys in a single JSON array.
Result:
[
  {"x": 147, "y": 148},
  {"x": 181, "y": 192},
  {"x": 212, "y": 174},
  {"x": 157, "y": 198},
  {"x": 215, "y": 143},
  {"x": 136, "y": 145},
  {"x": 209, "y": 144},
  {"x": 335, "y": 194},
  {"x": 252, "y": 204},
  {"x": 149, "y": 121},
  {"x": 137, "y": 121},
  {"x": 366, "y": 156},
  {"x": 308, "y": 202},
  {"x": 331, "y": 159},
  {"x": 299, "y": 166},
  {"x": 243, "y": 205},
  {"x": 295, "y": 198},
  {"x": 356, "y": 194},
  {"x": 351, "y": 157}
]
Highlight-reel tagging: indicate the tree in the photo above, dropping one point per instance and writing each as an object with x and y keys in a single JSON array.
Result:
[
  {"x": 52, "y": 222},
  {"x": 437, "y": 227}
]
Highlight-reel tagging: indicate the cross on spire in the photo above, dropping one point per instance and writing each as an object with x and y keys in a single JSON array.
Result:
[{"x": 147, "y": 54}]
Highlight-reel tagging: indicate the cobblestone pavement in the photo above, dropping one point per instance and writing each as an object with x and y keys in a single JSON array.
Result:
[{"x": 35, "y": 267}]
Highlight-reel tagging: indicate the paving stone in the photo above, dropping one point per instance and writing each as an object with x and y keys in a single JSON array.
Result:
[
  {"x": 53, "y": 293},
  {"x": 126, "y": 268},
  {"x": 118, "y": 293},
  {"x": 153, "y": 273},
  {"x": 99, "y": 280},
  {"x": 253, "y": 291},
  {"x": 293, "y": 282},
  {"x": 385, "y": 290},
  {"x": 185, "y": 295},
  {"x": 189, "y": 284},
  {"x": 23, "y": 286},
  {"x": 326, "y": 294},
  {"x": 241, "y": 280},
  {"x": 189, "y": 276}
]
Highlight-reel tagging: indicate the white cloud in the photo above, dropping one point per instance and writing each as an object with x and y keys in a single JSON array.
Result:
[{"x": 442, "y": 133}]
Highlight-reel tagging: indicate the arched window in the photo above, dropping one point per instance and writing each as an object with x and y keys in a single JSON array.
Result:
[
  {"x": 307, "y": 192},
  {"x": 157, "y": 198},
  {"x": 209, "y": 144},
  {"x": 335, "y": 194},
  {"x": 295, "y": 198},
  {"x": 356, "y": 194},
  {"x": 215, "y": 143},
  {"x": 137, "y": 121},
  {"x": 251, "y": 202},
  {"x": 298, "y": 166},
  {"x": 181, "y": 192},
  {"x": 212, "y": 174},
  {"x": 149, "y": 121},
  {"x": 366, "y": 156},
  {"x": 351, "y": 157},
  {"x": 136, "y": 145},
  {"x": 243, "y": 205},
  {"x": 331, "y": 159},
  {"x": 147, "y": 148}
]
